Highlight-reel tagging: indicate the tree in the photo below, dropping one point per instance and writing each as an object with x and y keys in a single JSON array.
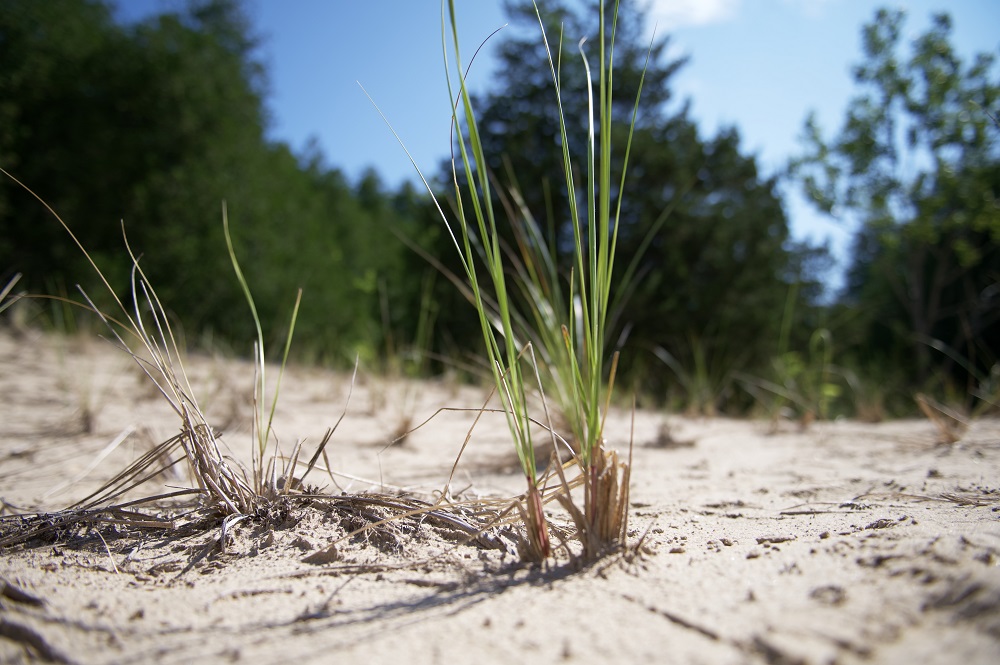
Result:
[
  {"x": 916, "y": 164},
  {"x": 147, "y": 125},
  {"x": 57, "y": 128},
  {"x": 154, "y": 125}
]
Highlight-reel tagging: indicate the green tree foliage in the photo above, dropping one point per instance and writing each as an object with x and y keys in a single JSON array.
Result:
[
  {"x": 716, "y": 272},
  {"x": 154, "y": 125},
  {"x": 55, "y": 128},
  {"x": 916, "y": 166}
]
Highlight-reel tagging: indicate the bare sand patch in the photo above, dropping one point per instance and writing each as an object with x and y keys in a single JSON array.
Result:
[{"x": 847, "y": 543}]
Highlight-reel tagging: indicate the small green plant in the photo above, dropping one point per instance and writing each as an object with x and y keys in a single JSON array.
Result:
[
  {"x": 982, "y": 393},
  {"x": 265, "y": 480},
  {"x": 404, "y": 361},
  {"x": 703, "y": 388},
  {"x": 962, "y": 405},
  {"x": 987, "y": 391},
  {"x": 569, "y": 329},
  {"x": 807, "y": 382}
]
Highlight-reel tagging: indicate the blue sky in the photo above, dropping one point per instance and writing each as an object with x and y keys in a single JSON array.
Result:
[{"x": 761, "y": 65}]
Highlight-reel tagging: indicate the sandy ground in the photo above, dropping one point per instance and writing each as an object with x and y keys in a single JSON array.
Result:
[{"x": 847, "y": 543}]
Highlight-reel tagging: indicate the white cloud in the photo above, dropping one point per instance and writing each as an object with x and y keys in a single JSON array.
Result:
[{"x": 672, "y": 14}]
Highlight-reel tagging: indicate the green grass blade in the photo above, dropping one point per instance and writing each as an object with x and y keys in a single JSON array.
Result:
[{"x": 262, "y": 432}]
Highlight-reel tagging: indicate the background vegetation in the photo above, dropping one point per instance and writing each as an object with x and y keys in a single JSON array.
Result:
[{"x": 156, "y": 123}]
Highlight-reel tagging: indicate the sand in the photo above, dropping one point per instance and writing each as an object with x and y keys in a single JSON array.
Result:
[{"x": 843, "y": 543}]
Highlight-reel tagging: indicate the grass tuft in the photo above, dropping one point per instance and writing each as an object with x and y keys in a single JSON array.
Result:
[
  {"x": 569, "y": 305},
  {"x": 143, "y": 330}
]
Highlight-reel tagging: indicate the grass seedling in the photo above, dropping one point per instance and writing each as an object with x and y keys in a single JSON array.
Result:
[
  {"x": 265, "y": 481},
  {"x": 502, "y": 347},
  {"x": 603, "y": 520},
  {"x": 570, "y": 329},
  {"x": 704, "y": 387},
  {"x": 807, "y": 381}
]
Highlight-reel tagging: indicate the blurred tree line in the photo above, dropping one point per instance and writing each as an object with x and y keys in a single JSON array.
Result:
[
  {"x": 153, "y": 125},
  {"x": 158, "y": 122},
  {"x": 916, "y": 166}
]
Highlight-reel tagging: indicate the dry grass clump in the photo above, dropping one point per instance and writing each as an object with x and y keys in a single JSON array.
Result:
[{"x": 224, "y": 493}]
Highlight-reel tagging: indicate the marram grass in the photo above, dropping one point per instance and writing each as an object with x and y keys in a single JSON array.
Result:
[{"x": 569, "y": 318}]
